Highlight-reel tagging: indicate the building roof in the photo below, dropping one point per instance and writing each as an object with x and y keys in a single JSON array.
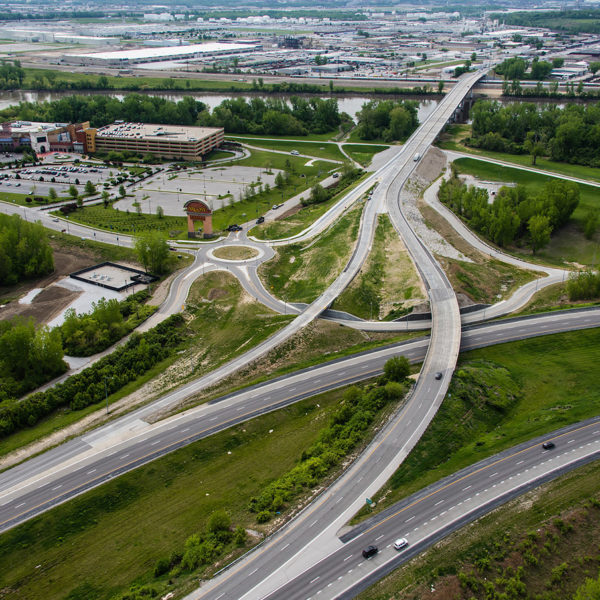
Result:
[
  {"x": 145, "y": 131},
  {"x": 167, "y": 51}
]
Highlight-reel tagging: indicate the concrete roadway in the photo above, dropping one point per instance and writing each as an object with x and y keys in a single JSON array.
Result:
[
  {"x": 87, "y": 461},
  {"x": 434, "y": 512}
]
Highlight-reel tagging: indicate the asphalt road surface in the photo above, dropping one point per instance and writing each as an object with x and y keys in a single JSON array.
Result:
[{"x": 87, "y": 461}]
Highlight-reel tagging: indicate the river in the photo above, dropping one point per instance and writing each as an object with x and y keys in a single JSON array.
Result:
[{"x": 348, "y": 104}]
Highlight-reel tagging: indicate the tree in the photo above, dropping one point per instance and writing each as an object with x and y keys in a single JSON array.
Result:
[
  {"x": 440, "y": 87},
  {"x": 160, "y": 213},
  {"x": 590, "y": 590},
  {"x": 90, "y": 188},
  {"x": 533, "y": 145},
  {"x": 396, "y": 368},
  {"x": 539, "y": 231},
  {"x": 52, "y": 195},
  {"x": 594, "y": 66},
  {"x": 73, "y": 191},
  {"x": 152, "y": 251},
  {"x": 279, "y": 180},
  {"x": 122, "y": 191},
  {"x": 219, "y": 521},
  {"x": 105, "y": 197},
  {"x": 592, "y": 221},
  {"x": 318, "y": 194}
]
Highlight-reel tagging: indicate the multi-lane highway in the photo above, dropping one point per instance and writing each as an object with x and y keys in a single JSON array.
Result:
[
  {"x": 310, "y": 540},
  {"x": 434, "y": 512}
]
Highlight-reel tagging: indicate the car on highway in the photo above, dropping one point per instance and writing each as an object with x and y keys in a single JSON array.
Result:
[
  {"x": 400, "y": 543},
  {"x": 55, "y": 220},
  {"x": 548, "y": 445},
  {"x": 276, "y": 206},
  {"x": 438, "y": 375},
  {"x": 416, "y": 157},
  {"x": 370, "y": 551},
  {"x": 260, "y": 220}
]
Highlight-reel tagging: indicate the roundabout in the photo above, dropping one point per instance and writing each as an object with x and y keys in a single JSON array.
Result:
[{"x": 235, "y": 253}]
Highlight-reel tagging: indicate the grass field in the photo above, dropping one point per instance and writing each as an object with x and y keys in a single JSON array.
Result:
[
  {"x": 454, "y": 135},
  {"x": 297, "y": 222},
  {"x": 483, "y": 279},
  {"x": 556, "y": 523},
  {"x": 363, "y": 153},
  {"x": 388, "y": 282},
  {"x": 98, "y": 544},
  {"x": 554, "y": 383},
  {"x": 319, "y": 149},
  {"x": 567, "y": 244},
  {"x": 301, "y": 272}
]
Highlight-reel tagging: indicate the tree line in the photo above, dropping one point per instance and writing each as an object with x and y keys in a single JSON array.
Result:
[
  {"x": 319, "y": 194},
  {"x": 28, "y": 357},
  {"x": 24, "y": 250},
  {"x": 125, "y": 364},
  {"x": 378, "y": 119},
  {"x": 517, "y": 68},
  {"x": 108, "y": 321},
  {"x": 347, "y": 427},
  {"x": 573, "y": 21},
  {"x": 517, "y": 215},
  {"x": 387, "y": 120},
  {"x": 570, "y": 134}
]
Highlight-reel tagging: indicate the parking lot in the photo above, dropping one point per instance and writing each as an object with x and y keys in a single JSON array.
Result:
[
  {"x": 39, "y": 179},
  {"x": 218, "y": 185}
]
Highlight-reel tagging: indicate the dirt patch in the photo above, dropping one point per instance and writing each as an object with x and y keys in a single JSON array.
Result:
[
  {"x": 215, "y": 293},
  {"x": 44, "y": 307},
  {"x": 431, "y": 165},
  {"x": 290, "y": 212}
]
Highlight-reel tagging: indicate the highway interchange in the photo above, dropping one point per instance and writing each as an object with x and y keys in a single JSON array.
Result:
[{"x": 307, "y": 557}]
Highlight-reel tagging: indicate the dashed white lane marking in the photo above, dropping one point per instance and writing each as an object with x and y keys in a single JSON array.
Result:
[
  {"x": 465, "y": 489},
  {"x": 252, "y": 572},
  {"x": 313, "y": 523},
  {"x": 124, "y": 456},
  {"x": 494, "y": 474},
  {"x": 347, "y": 558},
  {"x": 520, "y": 462},
  {"x": 19, "y": 505},
  {"x": 285, "y": 546},
  {"x": 409, "y": 519},
  {"x": 57, "y": 486},
  {"x": 154, "y": 443},
  {"x": 184, "y": 430},
  {"x": 377, "y": 538},
  {"x": 436, "y": 504},
  {"x": 213, "y": 419},
  {"x": 239, "y": 408},
  {"x": 92, "y": 471}
]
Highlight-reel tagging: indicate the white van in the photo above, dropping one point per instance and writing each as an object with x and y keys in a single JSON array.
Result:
[{"x": 416, "y": 157}]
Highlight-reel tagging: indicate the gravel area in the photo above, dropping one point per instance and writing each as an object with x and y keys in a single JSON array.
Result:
[{"x": 428, "y": 170}]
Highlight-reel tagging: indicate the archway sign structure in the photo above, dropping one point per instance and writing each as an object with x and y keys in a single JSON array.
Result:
[{"x": 199, "y": 210}]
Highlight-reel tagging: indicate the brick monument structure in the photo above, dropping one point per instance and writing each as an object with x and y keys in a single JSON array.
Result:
[{"x": 199, "y": 210}]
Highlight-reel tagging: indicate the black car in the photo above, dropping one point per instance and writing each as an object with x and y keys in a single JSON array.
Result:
[
  {"x": 548, "y": 445},
  {"x": 438, "y": 375},
  {"x": 260, "y": 220},
  {"x": 234, "y": 227},
  {"x": 370, "y": 551}
]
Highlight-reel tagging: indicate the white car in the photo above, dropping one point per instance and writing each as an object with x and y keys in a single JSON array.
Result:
[
  {"x": 400, "y": 543},
  {"x": 295, "y": 152}
]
